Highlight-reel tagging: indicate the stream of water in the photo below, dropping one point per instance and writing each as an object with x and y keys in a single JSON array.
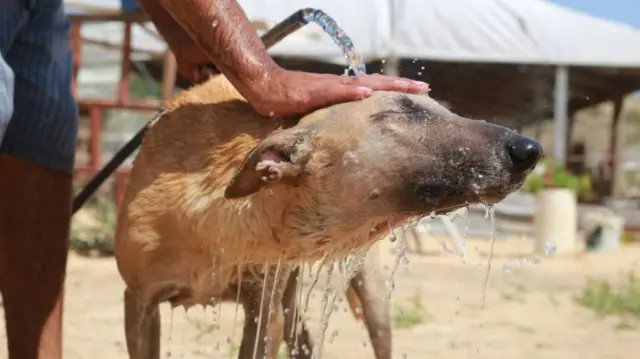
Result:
[{"x": 329, "y": 25}]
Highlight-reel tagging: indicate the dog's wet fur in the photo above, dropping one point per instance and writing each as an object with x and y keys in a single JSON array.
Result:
[{"x": 218, "y": 188}]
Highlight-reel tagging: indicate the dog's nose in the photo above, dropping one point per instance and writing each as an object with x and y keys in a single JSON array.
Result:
[{"x": 524, "y": 152}]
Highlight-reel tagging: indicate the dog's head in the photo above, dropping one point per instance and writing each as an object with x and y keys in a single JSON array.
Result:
[{"x": 391, "y": 155}]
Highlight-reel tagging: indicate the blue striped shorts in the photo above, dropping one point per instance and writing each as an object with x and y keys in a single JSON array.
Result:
[{"x": 38, "y": 114}]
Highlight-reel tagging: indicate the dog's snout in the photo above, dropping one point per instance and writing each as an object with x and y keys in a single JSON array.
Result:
[{"x": 523, "y": 152}]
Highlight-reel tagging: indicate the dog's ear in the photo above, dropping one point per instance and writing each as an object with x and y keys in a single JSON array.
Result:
[{"x": 279, "y": 158}]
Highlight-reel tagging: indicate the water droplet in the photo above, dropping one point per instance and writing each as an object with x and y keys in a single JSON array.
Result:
[
  {"x": 550, "y": 249},
  {"x": 446, "y": 249},
  {"x": 383, "y": 61},
  {"x": 271, "y": 114},
  {"x": 391, "y": 284},
  {"x": 214, "y": 23},
  {"x": 419, "y": 73}
]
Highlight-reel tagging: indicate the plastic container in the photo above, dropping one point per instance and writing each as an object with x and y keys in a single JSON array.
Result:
[
  {"x": 604, "y": 232},
  {"x": 555, "y": 221}
]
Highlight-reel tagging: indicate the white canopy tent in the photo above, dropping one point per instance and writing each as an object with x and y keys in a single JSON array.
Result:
[{"x": 497, "y": 31}]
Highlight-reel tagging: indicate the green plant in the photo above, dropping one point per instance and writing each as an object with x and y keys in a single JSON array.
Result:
[
  {"x": 93, "y": 227},
  {"x": 604, "y": 299},
  {"x": 202, "y": 327},
  {"x": 415, "y": 314},
  {"x": 551, "y": 174}
]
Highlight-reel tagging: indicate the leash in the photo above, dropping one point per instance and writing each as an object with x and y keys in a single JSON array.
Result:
[{"x": 276, "y": 34}]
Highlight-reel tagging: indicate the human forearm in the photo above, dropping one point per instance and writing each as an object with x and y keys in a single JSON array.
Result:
[
  {"x": 173, "y": 33},
  {"x": 222, "y": 30}
]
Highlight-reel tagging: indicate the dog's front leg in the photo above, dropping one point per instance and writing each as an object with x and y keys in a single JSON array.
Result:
[
  {"x": 370, "y": 289},
  {"x": 263, "y": 323},
  {"x": 142, "y": 327}
]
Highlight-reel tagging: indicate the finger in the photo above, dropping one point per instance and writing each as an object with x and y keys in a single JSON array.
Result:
[
  {"x": 333, "y": 94},
  {"x": 387, "y": 83}
]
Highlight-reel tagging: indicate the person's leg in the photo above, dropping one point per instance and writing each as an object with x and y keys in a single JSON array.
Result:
[{"x": 36, "y": 164}]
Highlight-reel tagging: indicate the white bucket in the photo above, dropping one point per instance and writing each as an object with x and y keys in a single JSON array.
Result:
[{"x": 555, "y": 221}]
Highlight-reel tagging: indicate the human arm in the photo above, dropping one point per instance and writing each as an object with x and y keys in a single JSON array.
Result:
[{"x": 227, "y": 37}]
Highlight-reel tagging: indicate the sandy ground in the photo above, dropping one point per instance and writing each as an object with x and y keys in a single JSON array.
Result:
[{"x": 529, "y": 311}]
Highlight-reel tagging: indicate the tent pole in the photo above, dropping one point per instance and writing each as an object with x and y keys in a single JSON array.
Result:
[
  {"x": 560, "y": 113},
  {"x": 613, "y": 162}
]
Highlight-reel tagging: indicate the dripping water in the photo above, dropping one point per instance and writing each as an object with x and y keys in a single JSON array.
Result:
[
  {"x": 264, "y": 288},
  {"x": 400, "y": 250},
  {"x": 273, "y": 292},
  {"x": 324, "y": 320},
  {"x": 235, "y": 315},
  {"x": 348, "y": 266},
  {"x": 490, "y": 212},
  {"x": 296, "y": 323}
]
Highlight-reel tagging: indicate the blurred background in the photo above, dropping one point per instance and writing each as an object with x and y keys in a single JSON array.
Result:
[{"x": 565, "y": 72}]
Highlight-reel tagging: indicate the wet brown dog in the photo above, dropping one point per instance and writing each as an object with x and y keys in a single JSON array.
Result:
[{"x": 217, "y": 189}]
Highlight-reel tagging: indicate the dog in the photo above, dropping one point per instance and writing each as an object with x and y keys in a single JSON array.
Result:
[{"x": 218, "y": 189}]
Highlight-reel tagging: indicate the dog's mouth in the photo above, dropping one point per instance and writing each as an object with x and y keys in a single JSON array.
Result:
[
  {"x": 384, "y": 227},
  {"x": 438, "y": 200}
]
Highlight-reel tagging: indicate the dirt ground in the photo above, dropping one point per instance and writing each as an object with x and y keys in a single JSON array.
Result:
[{"x": 529, "y": 310}]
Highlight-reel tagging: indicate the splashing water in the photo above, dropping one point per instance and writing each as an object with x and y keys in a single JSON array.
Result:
[
  {"x": 329, "y": 25},
  {"x": 550, "y": 248},
  {"x": 348, "y": 266}
]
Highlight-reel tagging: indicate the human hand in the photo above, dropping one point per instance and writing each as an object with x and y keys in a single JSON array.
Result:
[{"x": 286, "y": 93}]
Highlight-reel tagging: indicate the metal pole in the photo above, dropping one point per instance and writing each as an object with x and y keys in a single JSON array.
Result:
[{"x": 560, "y": 113}]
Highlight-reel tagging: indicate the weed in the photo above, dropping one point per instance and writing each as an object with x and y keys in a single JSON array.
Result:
[
  {"x": 604, "y": 299},
  {"x": 525, "y": 329},
  {"x": 202, "y": 327},
  {"x": 93, "y": 228},
  {"x": 411, "y": 316}
]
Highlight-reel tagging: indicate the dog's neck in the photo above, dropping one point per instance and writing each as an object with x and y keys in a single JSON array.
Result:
[{"x": 238, "y": 227}]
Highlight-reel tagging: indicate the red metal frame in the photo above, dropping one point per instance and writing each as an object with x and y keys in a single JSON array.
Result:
[{"x": 95, "y": 107}]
